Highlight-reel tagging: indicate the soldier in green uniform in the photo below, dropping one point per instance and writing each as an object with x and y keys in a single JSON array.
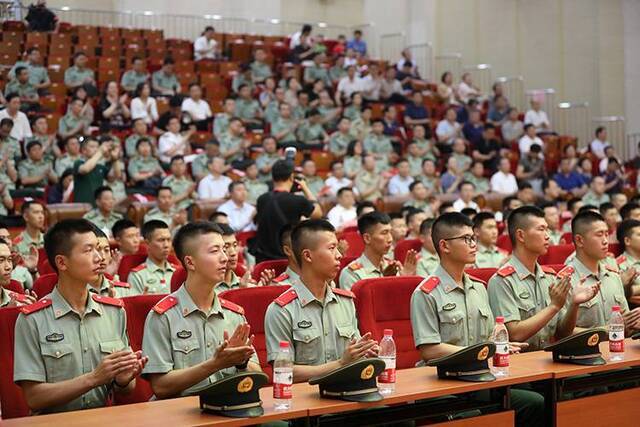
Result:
[
  {"x": 73, "y": 123},
  {"x": 248, "y": 109},
  {"x": 9, "y": 150},
  {"x": 164, "y": 82},
  {"x": 590, "y": 234},
  {"x": 35, "y": 171},
  {"x": 311, "y": 133},
  {"x": 488, "y": 255},
  {"x": 9, "y": 298},
  {"x": 24, "y": 267},
  {"x": 339, "y": 141},
  {"x": 70, "y": 157},
  {"x": 103, "y": 216},
  {"x": 285, "y": 127},
  {"x": 317, "y": 71},
  {"x": 154, "y": 275},
  {"x": 243, "y": 78},
  {"x": 368, "y": 181},
  {"x": 428, "y": 259},
  {"x": 135, "y": 76},
  {"x": 291, "y": 275},
  {"x": 552, "y": 216},
  {"x": 166, "y": 210},
  {"x": 144, "y": 169},
  {"x": 414, "y": 159},
  {"x": 267, "y": 158},
  {"x": 375, "y": 229},
  {"x": 33, "y": 214},
  {"x": 193, "y": 337},
  {"x": 255, "y": 187},
  {"x": 232, "y": 142},
  {"x": 260, "y": 70},
  {"x": 314, "y": 182},
  {"x": 419, "y": 197},
  {"x": 450, "y": 310},
  {"x": 79, "y": 74},
  {"x": 337, "y": 72},
  {"x": 103, "y": 285},
  {"x": 48, "y": 140},
  {"x": 537, "y": 307},
  {"x": 140, "y": 130},
  {"x": 71, "y": 347},
  {"x": 23, "y": 87},
  {"x": 221, "y": 120},
  {"x": 318, "y": 322},
  {"x": 379, "y": 145},
  {"x": 596, "y": 195},
  {"x": 180, "y": 183},
  {"x": 628, "y": 233},
  {"x": 38, "y": 75},
  {"x": 475, "y": 175},
  {"x": 200, "y": 164},
  {"x": 272, "y": 109}
]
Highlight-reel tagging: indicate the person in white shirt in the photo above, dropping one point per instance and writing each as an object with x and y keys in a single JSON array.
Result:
[
  {"x": 609, "y": 153},
  {"x": 172, "y": 142},
  {"x": 295, "y": 37},
  {"x": 399, "y": 184},
  {"x": 337, "y": 180},
  {"x": 347, "y": 85},
  {"x": 239, "y": 212},
  {"x": 503, "y": 181},
  {"x": 467, "y": 90},
  {"x": 528, "y": 139},
  {"x": 390, "y": 88},
  {"x": 21, "y": 127},
  {"x": 537, "y": 117},
  {"x": 407, "y": 57},
  {"x": 598, "y": 145},
  {"x": 372, "y": 83},
  {"x": 205, "y": 47},
  {"x": 143, "y": 106},
  {"x": 214, "y": 186},
  {"x": 448, "y": 129},
  {"x": 467, "y": 193},
  {"x": 344, "y": 213},
  {"x": 197, "y": 107}
]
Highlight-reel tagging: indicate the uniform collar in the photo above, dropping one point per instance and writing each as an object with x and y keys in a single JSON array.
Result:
[
  {"x": 104, "y": 286},
  {"x": 584, "y": 272},
  {"x": 632, "y": 260},
  {"x": 235, "y": 280},
  {"x": 61, "y": 307},
  {"x": 292, "y": 275},
  {"x": 306, "y": 297},
  {"x": 368, "y": 266},
  {"x": 447, "y": 282},
  {"x": 522, "y": 271},
  {"x": 153, "y": 267},
  {"x": 486, "y": 249},
  {"x": 426, "y": 254},
  {"x": 187, "y": 306}
]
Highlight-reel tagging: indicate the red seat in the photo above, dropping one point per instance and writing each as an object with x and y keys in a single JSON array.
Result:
[
  {"x": 556, "y": 254},
  {"x": 127, "y": 263},
  {"x": 137, "y": 307},
  {"x": 12, "y": 400},
  {"x": 483, "y": 274},
  {"x": 566, "y": 238},
  {"x": 504, "y": 243},
  {"x": 615, "y": 249},
  {"x": 44, "y": 284},
  {"x": 178, "y": 278},
  {"x": 244, "y": 236},
  {"x": 14, "y": 286},
  {"x": 255, "y": 302},
  {"x": 403, "y": 246},
  {"x": 375, "y": 313},
  {"x": 278, "y": 265},
  {"x": 45, "y": 268},
  {"x": 356, "y": 244}
]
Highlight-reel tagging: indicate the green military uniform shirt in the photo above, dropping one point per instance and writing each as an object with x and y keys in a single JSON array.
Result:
[
  {"x": 487, "y": 257},
  {"x": 25, "y": 90},
  {"x": 23, "y": 243},
  {"x": 481, "y": 184},
  {"x": 415, "y": 165},
  {"x": 263, "y": 160},
  {"x": 4, "y": 194},
  {"x": 75, "y": 76},
  {"x": 132, "y": 140},
  {"x": 444, "y": 312},
  {"x": 166, "y": 217},
  {"x": 626, "y": 261},
  {"x": 423, "y": 205},
  {"x": 11, "y": 145},
  {"x": 309, "y": 132},
  {"x": 590, "y": 198},
  {"x": 55, "y": 343},
  {"x": 239, "y": 80},
  {"x": 517, "y": 294},
  {"x": 121, "y": 289},
  {"x": 223, "y": 286},
  {"x": 336, "y": 73},
  {"x": 352, "y": 112},
  {"x": 68, "y": 122},
  {"x": 179, "y": 186},
  {"x": 425, "y": 145},
  {"x": 427, "y": 263},
  {"x": 360, "y": 129},
  {"x": 352, "y": 165},
  {"x": 318, "y": 331},
  {"x": 271, "y": 111},
  {"x": 379, "y": 145},
  {"x": 199, "y": 166},
  {"x": 260, "y": 71},
  {"x": 367, "y": 180},
  {"x": 315, "y": 184},
  {"x": 229, "y": 142},
  {"x": 221, "y": 124},
  {"x": 165, "y": 81},
  {"x": 179, "y": 335},
  {"x": 255, "y": 189},
  {"x": 299, "y": 112},
  {"x": 315, "y": 72},
  {"x": 37, "y": 73},
  {"x": 157, "y": 279},
  {"x": 338, "y": 143},
  {"x": 142, "y": 164},
  {"x": 289, "y": 277},
  {"x": 28, "y": 167},
  {"x": 132, "y": 78},
  {"x": 247, "y": 109},
  {"x": 22, "y": 275},
  {"x": 65, "y": 162},
  {"x": 462, "y": 161},
  {"x": 596, "y": 312},
  {"x": 104, "y": 223},
  {"x": 430, "y": 182},
  {"x": 281, "y": 125},
  {"x": 555, "y": 236},
  {"x": 361, "y": 268},
  {"x": 44, "y": 140}
]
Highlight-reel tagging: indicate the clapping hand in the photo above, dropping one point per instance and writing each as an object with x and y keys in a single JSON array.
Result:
[{"x": 583, "y": 293}]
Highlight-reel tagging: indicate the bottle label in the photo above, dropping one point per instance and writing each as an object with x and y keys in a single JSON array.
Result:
[
  {"x": 389, "y": 374},
  {"x": 501, "y": 356},
  {"x": 616, "y": 342},
  {"x": 282, "y": 382}
]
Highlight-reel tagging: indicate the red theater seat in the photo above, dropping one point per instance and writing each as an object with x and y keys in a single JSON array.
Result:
[
  {"x": 504, "y": 242},
  {"x": 278, "y": 265},
  {"x": 177, "y": 279},
  {"x": 556, "y": 254},
  {"x": 403, "y": 246},
  {"x": 566, "y": 238},
  {"x": 12, "y": 400},
  {"x": 375, "y": 313},
  {"x": 255, "y": 302},
  {"x": 14, "y": 286},
  {"x": 615, "y": 249},
  {"x": 44, "y": 284},
  {"x": 127, "y": 263},
  {"x": 483, "y": 274},
  {"x": 356, "y": 245}
]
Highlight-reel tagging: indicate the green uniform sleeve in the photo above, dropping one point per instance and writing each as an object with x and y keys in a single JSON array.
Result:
[
  {"x": 136, "y": 282},
  {"x": 29, "y": 366},
  {"x": 424, "y": 319},
  {"x": 277, "y": 327},
  {"x": 347, "y": 278},
  {"x": 156, "y": 344},
  {"x": 502, "y": 299}
]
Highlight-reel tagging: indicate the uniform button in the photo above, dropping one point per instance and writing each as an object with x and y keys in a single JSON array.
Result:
[
  {"x": 187, "y": 348},
  {"x": 57, "y": 353},
  {"x": 208, "y": 344},
  {"x": 86, "y": 349},
  {"x": 306, "y": 337}
]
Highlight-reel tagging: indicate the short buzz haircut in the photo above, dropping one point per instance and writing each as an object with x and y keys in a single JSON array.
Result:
[
  {"x": 606, "y": 207},
  {"x": 226, "y": 229},
  {"x": 442, "y": 226},
  {"x": 5, "y": 242},
  {"x": 481, "y": 217},
  {"x": 26, "y": 205},
  {"x": 363, "y": 205},
  {"x": 281, "y": 170},
  {"x": 624, "y": 230},
  {"x": 99, "y": 233},
  {"x": 163, "y": 188},
  {"x": 369, "y": 220},
  {"x": 519, "y": 219},
  {"x": 100, "y": 190},
  {"x": 285, "y": 234},
  {"x": 150, "y": 226},
  {"x": 413, "y": 212},
  {"x": 234, "y": 184},
  {"x": 343, "y": 190},
  {"x": 59, "y": 238},
  {"x": 426, "y": 225},
  {"x": 301, "y": 235},
  {"x": 120, "y": 226},
  {"x": 625, "y": 211},
  {"x": 582, "y": 221},
  {"x": 187, "y": 233},
  {"x": 215, "y": 214}
]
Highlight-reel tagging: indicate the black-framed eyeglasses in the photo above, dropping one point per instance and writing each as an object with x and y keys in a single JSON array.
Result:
[{"x": 469, "y": 239}]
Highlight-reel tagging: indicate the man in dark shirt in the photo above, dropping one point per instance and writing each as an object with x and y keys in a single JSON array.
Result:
[
  {"x": 279, "y": 208},
  {"x": 570, "y": 180},
  {"x": 91, "y": 171},
  {"x": 487, "y": 148}
]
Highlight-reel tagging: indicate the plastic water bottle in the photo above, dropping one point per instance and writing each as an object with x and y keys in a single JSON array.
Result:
[
  {"x": 616, "y": 334},
  {"x": 500, "y": 338},
  {"x": 283, "y": 378},
  {"x": 387, "y": 379}
]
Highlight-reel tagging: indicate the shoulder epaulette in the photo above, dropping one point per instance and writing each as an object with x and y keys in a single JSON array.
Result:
[
  {"x": 175, "y": 266},
  {"x": 16, "y": 296},
  {"x": 231, "y": 306},
  {"x": 343, "y": 292},
  {"x": 36, "y": 306},
  {"x": 613, "y": 268},
  {"x": 281, "y": 278},
  {"x": 286, "y": 297},
  {"x": 121, "y": 284},
  {"x": 621, "y": 259},
  {"x": 165, "y": 304},
  {"x": 139, "y": 267},
  {"x": 116, "y": 302},
  {"x": 429, "y": 284},
  {"x": 18, "y": 239},
  {"x": 547, "y": 269},
  {"x": 476, "y": 279},
  {"x": 503, "y": 251},
  {"x": 355, "y": 266},
  {"x": 506, "y": 271}
]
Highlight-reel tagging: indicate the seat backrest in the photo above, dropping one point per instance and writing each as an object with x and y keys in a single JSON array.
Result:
[
  {"x": 255, "y": 302},
  {"x": 12, "y": 400},
  {"x": 137, "y": 307},
  {"x": 14, "y": 286},
  {"x": 483, "y": 274},
  {"x": 44, "y": 284},
  {"x": 128, "y": 262},
  {"x": 375, "y": 313},
  {"x": 403, "y": 246},
  {"x": 356, "y": 244},
  {"x": 177, "y": 279},
  {"x": 278, "y": 265},
  {"x": 566, "y": 237},
  {"x": 504, "y": 242},
  {"x": 556, "y": 254},
  {"x": 615, "y": 249}
]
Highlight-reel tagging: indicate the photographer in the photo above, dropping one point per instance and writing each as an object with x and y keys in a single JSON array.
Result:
[
  {"x": 90, "y": 172},
  {"x": 281, "y": 207}
]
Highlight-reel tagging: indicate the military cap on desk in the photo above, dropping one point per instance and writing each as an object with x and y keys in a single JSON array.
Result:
[
  {"x": 469, "y": 364},
  {"x": 580, "y": 349},
  {"x": 355, "y": 382},
  {"x": 234, "y": 396}
]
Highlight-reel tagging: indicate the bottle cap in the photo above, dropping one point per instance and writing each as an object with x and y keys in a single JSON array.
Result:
[
  {"x": 500, "y": 319},
  {"x": 284, "y": 344},
  {"x": 615, "y": 308},
  {"x": 388, "y": 332}
]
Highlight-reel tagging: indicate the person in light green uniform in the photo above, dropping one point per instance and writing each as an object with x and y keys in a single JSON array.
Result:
[
  {"x": 267, "y": 158},
  {"x": 69, "y": 341},
  {"x": 552, "y": 216},
  {"x": 284, "y": 128},
  {"x": 248, "y": 109},
  {"x": 311, "y": 133},
  {"x": 368, "y": 181},
  {"x": 70, "y": 157},
  {"x": 79, "y": 74},
  {"x": 164, "y": 82},
  {"x": 200, "y": 165},
  {"x": 339, "y": 141},
  {"x": 476, "y": 176},
  {"x": 232, "y": 143},
  {"x": 314, "y": 182},
  {"x": 181, "y": 185},
  {"x": 10, "y": 298},
  {"x": 243, "y": 78},
  {"x": 378, "y": 145},
  {"x": 317, "y": 71},
  {"x": 450, "y": 310},
  {"x": 488, "y": 254},
  {"x": 428, "y": 259},
  {"x": 103, "y": 216},
  {"x": 628, "y": 233},
  {"x": 260, "y": 70},
  {"x": 193, "y": 337},
  {"x": 73, "y": 123},
  {"x": 255, "y": 187},
  {"x": 35, "y": 171},
  {"x": 337, "y": 72},
  {"x": 24, "y": 88},
  {"x": 140, "y": 130},
  {"x": 32, "y": 237},
  {"x": 135, "y": 76},
  {"x": 221, "y": 120},
  {"x": 103, "y": 285},
  {"x": 38, "y": 75},
  {"x": 318, "y": 321},
  {"x": 154, "y": 275}
]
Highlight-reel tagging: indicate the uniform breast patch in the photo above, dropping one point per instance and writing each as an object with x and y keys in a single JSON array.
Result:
[
  {"x": 184, "y": 334},
  {"x": 54, "y": 337}
]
